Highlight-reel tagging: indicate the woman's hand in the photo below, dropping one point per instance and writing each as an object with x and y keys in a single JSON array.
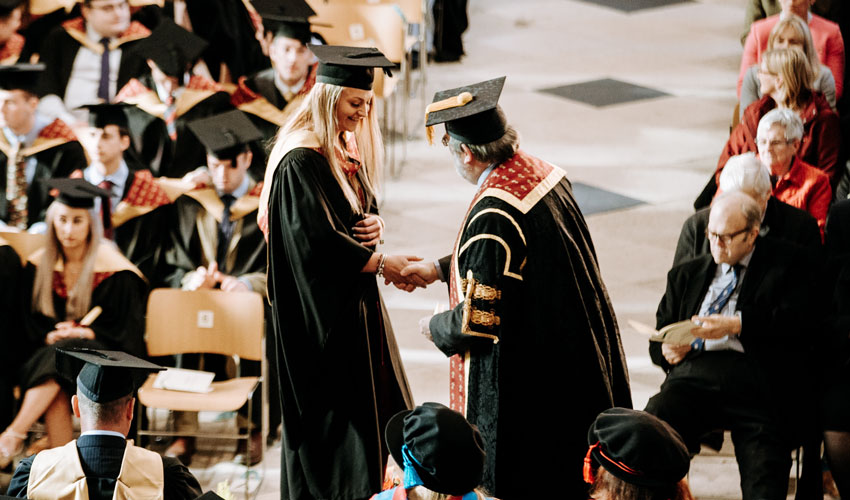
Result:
[
  {"x": 369, "y": 230},
  {"x": 394, "y": 264},
  {"x": 68, "y": 330}
]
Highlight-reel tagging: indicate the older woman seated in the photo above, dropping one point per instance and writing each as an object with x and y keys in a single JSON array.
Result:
[
  {"x": 78, "y": 291},
  {"x": 790, "y": 32}
]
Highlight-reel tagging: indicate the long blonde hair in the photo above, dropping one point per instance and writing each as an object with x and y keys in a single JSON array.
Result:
[
  {"x": 799, "y": 25},
  {"x": 793, "y": 66},
  {"x": 317, "y": 113},
  {"x": 79, "y": 297}
]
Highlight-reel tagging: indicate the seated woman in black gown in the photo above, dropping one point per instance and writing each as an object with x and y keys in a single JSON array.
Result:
[{"x": 78, "y": 291}]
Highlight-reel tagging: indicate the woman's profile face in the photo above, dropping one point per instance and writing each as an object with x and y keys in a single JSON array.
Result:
[
  {"x": 788, "y": 37},
  {"x": 767, "y": 80},
  {"x": 72, "y": 226},
  {"x": 352, "y": 107}
]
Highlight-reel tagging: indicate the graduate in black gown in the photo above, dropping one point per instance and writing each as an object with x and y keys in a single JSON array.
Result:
[
  {"x": 10, "y": 275},
  {"x": 341, "y": 376},
  {"x": 102, "y": 464},
  {"x": 77, "y": 291}
]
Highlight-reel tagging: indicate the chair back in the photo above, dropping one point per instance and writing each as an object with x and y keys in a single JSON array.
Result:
[
  {"x": 361, "y": 25},
  {"x": 205, "y": 321}
]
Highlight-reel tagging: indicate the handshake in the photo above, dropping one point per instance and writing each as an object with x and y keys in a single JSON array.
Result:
[{"x": 408, "y": 272}]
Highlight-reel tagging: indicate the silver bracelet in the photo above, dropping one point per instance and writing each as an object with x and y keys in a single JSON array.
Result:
[{"x": 380, "y": 271}]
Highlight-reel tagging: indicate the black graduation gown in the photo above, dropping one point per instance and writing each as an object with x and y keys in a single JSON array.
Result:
[
  {"x": 121, "y": 325},
  {"x": 10, "y": 276},
  {"x": 101, "y": 457},
  {"x": 341, "y": 378},
  {"x": 165, "y": 157},
  {"x": 538, "y": 290},
  {"x": 56, "y": 161}
]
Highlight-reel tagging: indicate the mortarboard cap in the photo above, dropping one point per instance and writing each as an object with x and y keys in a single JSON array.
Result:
[
  {"x": 21, "y": 77},
  {"x": 471, "y": 113},
  {"x": 76, "y": 193},
  {"x": 172, "y": 47},
  {"x": 103, "y": 376},
  {"x": 286, "y": 18},
  {"x": 101, "y": 115},
  {"x": 7, "y": 6},
  {"x": 349, "y": 66},
  {"x": 226, "y": 134}
]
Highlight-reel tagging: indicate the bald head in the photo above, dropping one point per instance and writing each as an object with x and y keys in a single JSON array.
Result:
[{"x": 733, "y": 226}]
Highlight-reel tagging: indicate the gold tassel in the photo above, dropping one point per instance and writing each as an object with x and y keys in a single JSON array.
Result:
[{"x": 457, "y": 101}]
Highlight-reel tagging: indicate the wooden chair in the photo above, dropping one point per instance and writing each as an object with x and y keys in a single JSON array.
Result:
[{"x": 204, "y": 321}]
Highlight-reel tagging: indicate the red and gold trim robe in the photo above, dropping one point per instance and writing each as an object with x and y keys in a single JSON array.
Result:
[
  {"x": 54, "y": 134},
  {"x": 11, "y": 49},
  {"x": 76, "y": 29},
  {"x": 248, "y": 101},
  {"x": 198, "y": 89}
]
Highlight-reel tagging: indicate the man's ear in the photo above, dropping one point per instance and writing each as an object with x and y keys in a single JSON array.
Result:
[
  {"x": 466, "y": 154},
  {"x": 131, "y": 406},
  {"x": 75, "y": 404}
]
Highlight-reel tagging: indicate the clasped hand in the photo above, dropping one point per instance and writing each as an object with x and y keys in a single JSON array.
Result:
[
  {"x": 68, "y": 330},
  {"x": 209, "y": 277}
]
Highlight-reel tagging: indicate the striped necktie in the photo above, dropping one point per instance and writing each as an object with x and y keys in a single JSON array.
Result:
[
  {"x": 718, "y": 304},
  {"x": 16, "y": 188},
  {"x": 170, "y": 116}
]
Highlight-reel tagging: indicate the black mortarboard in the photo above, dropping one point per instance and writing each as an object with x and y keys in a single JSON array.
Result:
[
  {"x": 471, "y": 113},
  {"x": 287, "y": 18},
  {"x": 638, "y": 448},
  {"x": 77, "y": 193},
  {"x": 446, "y": 452},
  {"x": 21, "y": 77},
  {"x": 101, "y": 115},
  {"x": 103, "y": 376},
  {"x": 171, "y": 47},
  {"x": 225, "y": 135},
  {"x": 7, "y": 6},
  {"x": 349, "y": 66}
]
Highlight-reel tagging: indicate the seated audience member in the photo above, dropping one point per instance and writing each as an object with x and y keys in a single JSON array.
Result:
[
  {"x": 10, "y": 277},
  {"x": 794, "y": 182},
  {"x": 138, "y": 213},
  {"x": 760, "y": 9},
  {"x": 215, "y": 243},
  {"x": 634, "y": 456},
  {"x": 39, "y": 148},
  {"x": 751, "y": 299},
  {"x": 77, "y": 291},
  {"x": 102, "y": 464},
  {"x": 167, "y": 99},
  {"x": 826, "y": 36},
  {"x": 835, "y": 407},
  {"x": 786, "y": 83},
  {"x": 779, "y": 220},
  {"x": 442, "y": 455},
  {"x": 87, "y": 58},
  {"x": 790, "y": 32},
  {"x": 11, "y": 42}
]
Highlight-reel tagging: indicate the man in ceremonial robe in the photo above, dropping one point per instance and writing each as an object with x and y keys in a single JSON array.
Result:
[
  {"x": 215, "y": 241},
  {"x": 87, "y": 58},
  {"x": 529, "y": 309},
  {"x": 32, "y": 148},
  {"x": 11, "y": 42},
  {"x": 10, "y": 276},
  {"x": 164, "y": 102},
  {"x": 102, "y": 463}
]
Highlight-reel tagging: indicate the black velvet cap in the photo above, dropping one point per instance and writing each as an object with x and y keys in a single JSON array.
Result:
[
  {"x": 226, "y": 134},
  {"x": 638, "y": 448},
  {"x": 470, "y": 121},
  {"x": 286, "y": 18},
  {"x": 103, "y": 376},
  {"x": 172, "y": 47},
  {"x": 21, "y": 77},
  {"x": 450, "y": 450},
  {"x": 101, "y": 115},
  {"x": 349, "y": 66},
  {"x": 76, "y": 193}
]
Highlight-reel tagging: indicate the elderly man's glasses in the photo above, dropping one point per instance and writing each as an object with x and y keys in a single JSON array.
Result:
[
  {"x": 764, "y": 143},
  {"x": 724, "y": 238}
]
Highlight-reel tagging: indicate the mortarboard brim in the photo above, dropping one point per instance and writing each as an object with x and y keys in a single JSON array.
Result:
[
  {"x": 172, "y": 47},
  {"x": 225, "y": 132},
  {"x": 349, "y": 66},
  {"x": 289, "y": 18},
  {"x": 103, "y": 376},
  {"x": 21, "y": 77},
  {"x": 470, "y": 113},
  {"x": 101, "y": 115},
  {"x": 76, "y": 193}
]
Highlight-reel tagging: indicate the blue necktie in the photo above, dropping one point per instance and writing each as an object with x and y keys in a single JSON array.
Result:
[
  {"x": 103, "y": 87},
  {"x": 225, "y": 231},
  {"x": 719, "y": 303}
]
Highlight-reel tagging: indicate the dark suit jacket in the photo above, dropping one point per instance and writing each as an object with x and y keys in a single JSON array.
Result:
[
  {"x": 101, "y": 457},
  {"x": 782, "y": 221},
  {"x": 777, "y": 329}
]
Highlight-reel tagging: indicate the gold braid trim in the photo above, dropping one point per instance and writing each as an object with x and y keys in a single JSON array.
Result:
[
  {"x": 474, "y": 315},
  {"x": 484, "y": 318},
  {"x": 483, "y": 292}
]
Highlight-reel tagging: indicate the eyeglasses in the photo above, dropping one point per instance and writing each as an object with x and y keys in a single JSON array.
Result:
[
  {"x": 445, "y": 140},
  {"x": 764, "y": 143},
  {"x": 724, "y": 238}
]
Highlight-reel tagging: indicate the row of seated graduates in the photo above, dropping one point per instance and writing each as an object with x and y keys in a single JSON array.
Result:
[
  {"x": 166, "y": 226},
  {"x": 833, "y": 351}
]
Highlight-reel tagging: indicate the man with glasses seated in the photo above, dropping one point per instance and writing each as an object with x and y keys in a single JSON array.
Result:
[{"x": 743, "y": 371}]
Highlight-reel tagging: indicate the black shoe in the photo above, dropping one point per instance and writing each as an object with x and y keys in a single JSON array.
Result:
[{"x": 256, "y": 450}]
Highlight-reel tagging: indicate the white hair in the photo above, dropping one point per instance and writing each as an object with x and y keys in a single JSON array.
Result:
[
  {"x": 745, "y": 172},
  {"x": 785, "y": 117}
]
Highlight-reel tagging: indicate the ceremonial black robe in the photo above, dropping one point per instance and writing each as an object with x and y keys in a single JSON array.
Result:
[
  {"x": 57, "y": 154},
  {"x": 10, "y": 275},
  {"x": 341, "y": 376},
  {"x": 118, "y": 290},
  {"x": 101, "y": 458},
  {"x": 534, "y": 324}
]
